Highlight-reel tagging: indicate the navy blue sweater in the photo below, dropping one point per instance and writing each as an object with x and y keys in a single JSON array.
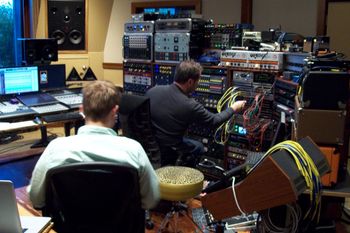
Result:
[{"x": 172, "y": 111}]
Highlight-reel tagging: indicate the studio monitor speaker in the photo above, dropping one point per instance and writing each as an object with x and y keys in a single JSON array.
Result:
[
  {"x": 66, "y": 23},
  {"x": 39, "y": 51}
]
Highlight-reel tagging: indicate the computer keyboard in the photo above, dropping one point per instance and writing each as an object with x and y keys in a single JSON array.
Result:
[
  {"x": 7, "y": 107},
  {"x": 62, "y": 117},
  {"x": 9, "y": 110},
  {"x": 49, "y": 108}
]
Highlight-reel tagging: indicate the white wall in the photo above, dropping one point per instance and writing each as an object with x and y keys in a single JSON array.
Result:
[
  {"x": 338, "y": 14},
  {"x": 113, "y": 47},
  {"x": 222, "y": 11},
  {"x": 98, "y": 13},
  {"x": 299, "y": 16},
  {"x": 106, "y": 24},
  {"x": 294, "y": 16}
]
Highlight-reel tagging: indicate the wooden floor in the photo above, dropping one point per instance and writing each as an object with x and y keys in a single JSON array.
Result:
[{"x": 184, "y": 220}]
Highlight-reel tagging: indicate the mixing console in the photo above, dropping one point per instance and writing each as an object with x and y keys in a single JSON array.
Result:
[
  {"x": 71, "y": 100},
  {"x": 49, "y": 108},
  {"x": 9, "y": 110}
]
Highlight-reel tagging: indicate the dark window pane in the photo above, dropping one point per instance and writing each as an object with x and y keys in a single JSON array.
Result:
[{"x": 10, "y": 30}]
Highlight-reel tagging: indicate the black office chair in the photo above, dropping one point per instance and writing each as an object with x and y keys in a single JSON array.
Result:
[
  {"x": 176, "y": 155},
  {"x": 135, "y": 121},
  {"x": 94, "y": 197}
]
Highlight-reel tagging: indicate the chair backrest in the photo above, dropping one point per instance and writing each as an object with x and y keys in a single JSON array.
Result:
[
  {"x": 135, "y": 120},
  {"x": 94, "y": 197},
  {"x": 171, "y": 155}
]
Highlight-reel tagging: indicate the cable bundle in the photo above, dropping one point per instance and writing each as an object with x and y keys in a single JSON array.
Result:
[
  {"x": 227, "y": 99},
  {"x": 308, "y": 170},
  {"x": 265, "y": 223},
  {"x": 254, "y": 125}
]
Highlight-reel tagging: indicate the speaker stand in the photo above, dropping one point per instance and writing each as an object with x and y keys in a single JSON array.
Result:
[{"x": 45, "y": 140}]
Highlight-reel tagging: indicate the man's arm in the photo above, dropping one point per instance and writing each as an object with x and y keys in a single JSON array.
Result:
[
  {"x": 204, "y": 116},
  {"x": 48, "y": 159},
  {"x": 37, "y": 182},
  {"x": 238, "y": 106}
]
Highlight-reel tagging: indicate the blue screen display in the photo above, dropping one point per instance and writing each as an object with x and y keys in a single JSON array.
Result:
[
  {"x": 149, "y": 10},
  {"x": 162, "y": 10},
  {"x": 17, "y": 80},
  {"x": 240, "y": 130},
  {"x": 166, "y": 11}
]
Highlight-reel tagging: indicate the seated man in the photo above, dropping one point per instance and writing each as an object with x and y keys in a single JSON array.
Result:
[
  {"x": 96, "y": 141},
  {"x": 173, "y": 110}
]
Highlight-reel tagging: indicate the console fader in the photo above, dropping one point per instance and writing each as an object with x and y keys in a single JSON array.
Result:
[{"x": 212, "y": 85}]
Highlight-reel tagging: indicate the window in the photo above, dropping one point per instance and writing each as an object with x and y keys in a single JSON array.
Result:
[{"x": 10, "y": 30}]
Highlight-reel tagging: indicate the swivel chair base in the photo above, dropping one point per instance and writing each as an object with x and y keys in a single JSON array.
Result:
[
  {"x": 178, "y": 184},
  {"x": 171, "y": 218}
]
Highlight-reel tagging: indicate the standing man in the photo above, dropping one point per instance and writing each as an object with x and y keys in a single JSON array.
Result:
[
  {"x": 173, "y": 110},
  {"x": 96, "y": 141}
]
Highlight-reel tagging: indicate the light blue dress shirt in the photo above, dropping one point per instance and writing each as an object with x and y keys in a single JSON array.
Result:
[{"x": 94, "y": 143}]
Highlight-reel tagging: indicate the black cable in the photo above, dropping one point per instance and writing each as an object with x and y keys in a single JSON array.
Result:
[
  {"x": 9, "y": 137},
  {"x": 15, "y": 147}
]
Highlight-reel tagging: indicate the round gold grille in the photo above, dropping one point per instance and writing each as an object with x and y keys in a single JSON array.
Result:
[{"x": 179, "y": 183}]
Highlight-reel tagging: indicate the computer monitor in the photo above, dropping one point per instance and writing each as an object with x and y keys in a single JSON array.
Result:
[
  {"x": 18, "y": 80},
  {"x": 52, "y": 77}
]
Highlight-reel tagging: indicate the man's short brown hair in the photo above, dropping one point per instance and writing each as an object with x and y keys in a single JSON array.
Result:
[
  {"x": 187, "y": 70},
  {"x": 99, "y": 98}
]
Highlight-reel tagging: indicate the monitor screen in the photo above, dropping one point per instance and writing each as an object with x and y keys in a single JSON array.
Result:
[
  {"x": 17, "y": 80},
  {"x": 52, "y": 77}
]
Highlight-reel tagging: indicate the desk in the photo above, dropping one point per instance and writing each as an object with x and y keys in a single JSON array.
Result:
[
  {"x": 25, "y": 208},
  {"x": 23, "y": 212},
  {"x": 341, "y": 189},
  {"x": 21, "y": 148}
]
